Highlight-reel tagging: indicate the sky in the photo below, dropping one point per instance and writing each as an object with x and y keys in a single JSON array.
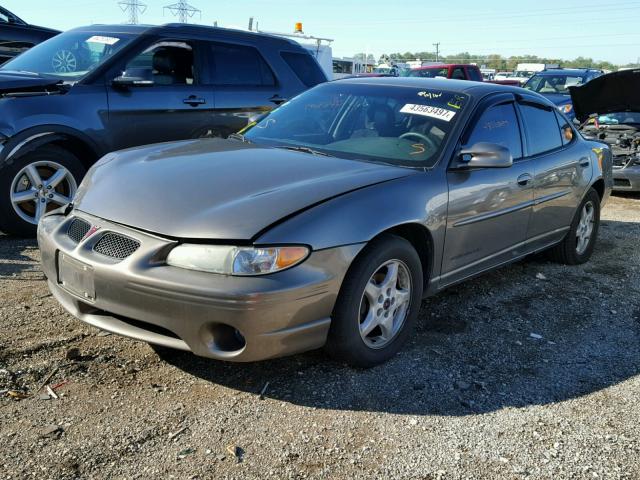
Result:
[{"x": 568, "y": 29}]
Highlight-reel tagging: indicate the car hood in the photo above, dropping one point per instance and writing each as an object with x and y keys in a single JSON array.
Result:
[
  {"x": 557, "y": 98},
  {"x": 217, "y": 189},
  {"x": 610, "y": 93},
  {"x": 12, "y": 82}
]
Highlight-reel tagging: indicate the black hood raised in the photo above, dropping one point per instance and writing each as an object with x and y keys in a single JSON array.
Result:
[
  {"x": 610, "y": 93},
  {"x": 17, "y": 82}
]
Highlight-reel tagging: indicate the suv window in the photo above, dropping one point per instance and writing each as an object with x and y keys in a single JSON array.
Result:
[
  {"x": 543, "y": 132},
  {"x": 475, "y": 75},
  {"x": 458, "y": 74},
  {"x": 167, "y": 63},
  {"x": 304, "y": 67},
  {"x": 498, "y": 124},
  {"x": 240, "y": 65}
]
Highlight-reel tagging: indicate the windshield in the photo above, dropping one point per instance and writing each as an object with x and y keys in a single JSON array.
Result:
[
  {"x": 68, "y": 56},
  {"x": 383, "y": 124},
  {"x": 620, "y": 118},
  {"x": 522, "y": 73},
  {"x": 429, "y": 72},
  {"x": 558, "y": 84}
]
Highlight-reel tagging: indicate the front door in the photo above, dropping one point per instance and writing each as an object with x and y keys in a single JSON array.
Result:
[
  {"x": 176, "y": 107},
  {"x": 489, "y": 208}
]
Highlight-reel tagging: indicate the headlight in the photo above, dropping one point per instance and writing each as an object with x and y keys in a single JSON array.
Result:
[
  {"x": 236, "y": 260},
  {"x": 566, "y": 108}
]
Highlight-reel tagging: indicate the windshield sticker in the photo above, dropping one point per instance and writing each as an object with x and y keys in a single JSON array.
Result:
[
  {"x": 430, "y": 94},
  {"x": 428, "y": 111},
  {"x": 456, "y": 102},
  {"x": 419, "y": 148},
  {"x": 103, "y": 40}
]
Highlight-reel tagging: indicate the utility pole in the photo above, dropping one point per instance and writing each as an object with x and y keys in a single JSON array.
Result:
[
  {"x": 437, "y": 45},
  {"x": 183, "y": 11},
  {"x": 133, "y": 8}
]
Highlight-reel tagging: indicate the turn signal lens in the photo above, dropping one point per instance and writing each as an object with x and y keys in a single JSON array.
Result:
[
  {"x": 289, "y": 256},
  {"x": 566, "y": 108}
]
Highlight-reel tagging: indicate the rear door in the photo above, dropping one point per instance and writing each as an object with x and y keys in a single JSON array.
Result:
[
  {"x": 562, "y": 171},
  {"x": 177, "y": 107},
  {"x": 243, "y": 84},
  {"x": 489, "y": 208}
]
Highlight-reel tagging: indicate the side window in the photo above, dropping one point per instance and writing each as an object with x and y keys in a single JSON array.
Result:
[
  {"x": 498, "y": 124},
  {"x": 542, "y": 128},
  {"x": 458, "y": 74},
  {"x": 474, "y": 74},
  {"x": 167, "y": 63},
  {"x": 306, "y": 69},
  {"x": 240, "y": 65},
  {"x": 566, "y": 131}
]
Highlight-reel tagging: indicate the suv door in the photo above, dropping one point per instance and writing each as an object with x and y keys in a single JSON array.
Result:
[
  {"x": 177, "y": 106},
  {"x": 489, "y": 208},
  {"x": 244, "y": 84},
  {"x": 562, "y": 171}
]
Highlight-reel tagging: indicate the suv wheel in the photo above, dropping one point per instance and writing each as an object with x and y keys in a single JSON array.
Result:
[
  {"x": 378, "y": 303},
  {"x": 578, "y": 245},
  {"x": 34, "y": 184}
]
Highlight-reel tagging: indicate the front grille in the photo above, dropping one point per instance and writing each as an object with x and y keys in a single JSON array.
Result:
[
  {"x": 115, "y": 245},
  {"x": 78, "y": 229}
]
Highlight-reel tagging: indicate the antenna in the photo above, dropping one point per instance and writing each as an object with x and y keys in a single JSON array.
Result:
[
  {"x": 133, "y": 8},
  {"x": 183, "y": 11}
]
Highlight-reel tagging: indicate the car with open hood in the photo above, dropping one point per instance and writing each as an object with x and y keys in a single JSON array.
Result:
[
  {"x": 92, "y": 90},
  {"x": 325, "y": 222},
  {"x": 609, "y": 109}
]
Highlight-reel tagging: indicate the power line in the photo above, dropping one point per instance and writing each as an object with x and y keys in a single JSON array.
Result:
[
  {"x": 133, "y": 8},
  {"x": 183, "y": 11}
]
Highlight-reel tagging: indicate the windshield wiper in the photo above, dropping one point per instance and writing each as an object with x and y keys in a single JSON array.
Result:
[
  {"x": 304, "y": 149},
  {"x": 240, "y": 137}
]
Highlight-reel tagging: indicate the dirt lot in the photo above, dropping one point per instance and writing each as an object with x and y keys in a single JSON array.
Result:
[{"x": 531, "y": 371}]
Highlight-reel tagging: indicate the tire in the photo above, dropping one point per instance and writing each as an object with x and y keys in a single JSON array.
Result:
[
  {"x": 16, "y": 183},
  {"x": 570, "y": 251},
  {"x": 353, "y": 307}
]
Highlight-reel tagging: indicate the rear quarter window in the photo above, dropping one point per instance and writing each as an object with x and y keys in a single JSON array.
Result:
[{"x": 305, "y": 68}]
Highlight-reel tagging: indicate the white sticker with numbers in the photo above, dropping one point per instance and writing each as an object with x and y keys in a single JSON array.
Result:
[{"x": 428, "y": 111}]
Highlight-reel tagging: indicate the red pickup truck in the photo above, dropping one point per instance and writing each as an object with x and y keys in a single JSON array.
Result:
[{"x": 457, "y": 71}]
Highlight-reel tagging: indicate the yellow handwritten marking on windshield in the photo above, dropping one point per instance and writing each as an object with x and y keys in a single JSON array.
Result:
[{"x": 419, "y": 149}]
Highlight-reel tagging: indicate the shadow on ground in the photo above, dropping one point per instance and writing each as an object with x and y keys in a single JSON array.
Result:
[{"x": 17, "y": 258}]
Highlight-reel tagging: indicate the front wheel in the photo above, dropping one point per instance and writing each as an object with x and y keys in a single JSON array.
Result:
[
  {"x": 378, "y": 303},
  {"x": 34, "y": 184},
  {"x": 577, "y": 247}
]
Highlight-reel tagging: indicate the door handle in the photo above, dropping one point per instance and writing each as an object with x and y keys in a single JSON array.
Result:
[
  {"x": 277, "y": 99},
  {"x": 524, "y": 179},
  {"x": 194, "y": 101},
  {"x": 584, "y": 162}
]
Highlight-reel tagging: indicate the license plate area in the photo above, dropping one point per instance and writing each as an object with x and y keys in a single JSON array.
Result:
[{"x": 76, "y": 277}]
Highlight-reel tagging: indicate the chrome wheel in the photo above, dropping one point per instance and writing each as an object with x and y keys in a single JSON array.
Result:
[
  {"x": 385, "y": 304},
  {"x": 585, "y": 227},
  {"x": 40, "y": 187},
  {"x": 64, "y": 61}
]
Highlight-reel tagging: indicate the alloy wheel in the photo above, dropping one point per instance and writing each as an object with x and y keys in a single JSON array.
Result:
[
  {"x": 385, "y": 304},
  {"x": 40, "y": 187},
  {"x": 585, "y": 227}
]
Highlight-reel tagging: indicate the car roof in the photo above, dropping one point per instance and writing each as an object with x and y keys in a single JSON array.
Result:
[
  {"x": 567, "y": 71},
  {"x": 444, "y": 65},
  {"x": 187, "y": 29}
]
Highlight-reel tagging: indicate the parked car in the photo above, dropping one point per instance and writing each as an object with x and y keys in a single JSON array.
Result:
[
  {"x": 609, "y": 108},
  {"x": 327, "y": 222},
  {"x": 454, "y": 71},
  {"x": 503, "y": 76},
  {"x": 92, "y": 90},
  {"x": 554, "y": 84},
  {"x": 16, "y": 35}
]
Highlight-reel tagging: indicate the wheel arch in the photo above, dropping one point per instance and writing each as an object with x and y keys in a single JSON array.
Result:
[{"x": 599, "y": 187}]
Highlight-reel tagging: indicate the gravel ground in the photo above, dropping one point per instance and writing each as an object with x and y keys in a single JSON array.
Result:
[{"x": 531, "y": 371}]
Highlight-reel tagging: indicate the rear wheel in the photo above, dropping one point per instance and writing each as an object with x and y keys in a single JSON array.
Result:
[
  {"x": 378, "y": 303},
  {"x": 577, "y": 247},
  {"x": 34, "y": 184}
]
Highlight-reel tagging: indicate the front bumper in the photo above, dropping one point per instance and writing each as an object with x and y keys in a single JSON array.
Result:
[
  {"x": 217, "y": 316},
  {"x": 627, "y": 179}
]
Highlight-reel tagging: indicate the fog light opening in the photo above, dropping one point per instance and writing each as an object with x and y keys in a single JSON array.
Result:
[{"x": 224, "y": 338}]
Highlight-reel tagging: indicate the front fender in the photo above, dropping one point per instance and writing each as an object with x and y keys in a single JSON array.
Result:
[{"x": 361, "y": 215}]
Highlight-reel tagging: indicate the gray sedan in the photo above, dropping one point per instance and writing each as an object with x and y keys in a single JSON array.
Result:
[{"x": 325, "y": 222}]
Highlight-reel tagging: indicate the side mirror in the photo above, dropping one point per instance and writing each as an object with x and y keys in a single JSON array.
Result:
[
  {"x": 485, "y": 155},
  {"x": 136, "y": 77}
]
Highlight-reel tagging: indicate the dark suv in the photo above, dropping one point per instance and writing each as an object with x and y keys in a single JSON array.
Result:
[
  {"x": 89, "y": 91},
  {"x": 16, "y": 35}
]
